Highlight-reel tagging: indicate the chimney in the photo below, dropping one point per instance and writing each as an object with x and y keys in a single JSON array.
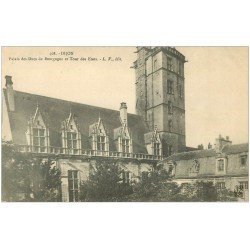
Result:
[
  {"x": 209, "y": 146},
  {"x": 221, "y": 142},
  {"x": 123, "y": 113},
  {"x": 10, "y": 92}
]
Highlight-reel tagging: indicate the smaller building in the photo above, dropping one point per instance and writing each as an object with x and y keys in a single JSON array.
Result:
[{"x": 226, "y": 165}]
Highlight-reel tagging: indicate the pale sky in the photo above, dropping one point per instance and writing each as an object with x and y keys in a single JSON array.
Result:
[{"x": 216, "y": 85}]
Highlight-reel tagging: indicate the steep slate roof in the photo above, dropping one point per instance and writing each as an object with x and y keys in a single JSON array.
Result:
[{"x": 54, "y": 111}]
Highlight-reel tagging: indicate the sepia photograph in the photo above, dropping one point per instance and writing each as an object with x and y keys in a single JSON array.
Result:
[{"x": 125, "y": 124}]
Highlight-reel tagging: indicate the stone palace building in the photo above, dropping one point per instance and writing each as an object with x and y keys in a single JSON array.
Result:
[{"x": 78, "y": 134}]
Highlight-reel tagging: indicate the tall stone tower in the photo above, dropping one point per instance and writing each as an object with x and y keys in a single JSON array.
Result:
[{"x": 160, "y": 95}]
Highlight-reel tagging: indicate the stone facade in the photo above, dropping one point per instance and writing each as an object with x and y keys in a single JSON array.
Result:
[
  {"x": 160, "y": 96},
  {"x": 226, "y": 166},
  {"x": 77, "y": 135}
]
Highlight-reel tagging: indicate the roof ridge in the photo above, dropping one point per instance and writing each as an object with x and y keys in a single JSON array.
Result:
[{"x": 79, "y": 103}]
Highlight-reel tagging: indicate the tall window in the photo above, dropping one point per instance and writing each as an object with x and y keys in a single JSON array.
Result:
[
  {"x": 181, "y": 68},
  {"x": 156, "y": 148},
  {"x": 155, "y": 64},
  {"x": 221, "y": 165},
  {"x": 125, "y": 177},
  {"x": 125, "y": 145},
  {"x": 179, "y": 89},
  {"x": 170, "y": 87},
  {"x": 39, "y": 139},
  {"x": 170, "y": 126},
  {"x": 72, "y": 142},
  {"x": 169, "y": 63},
  {"x": 170, "y": 107},
  {"x": 73, "y": 181},
  {"x": 101, "y": 143}
]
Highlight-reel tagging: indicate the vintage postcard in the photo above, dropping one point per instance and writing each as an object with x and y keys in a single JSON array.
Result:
[{"x": 124, "y": 124}]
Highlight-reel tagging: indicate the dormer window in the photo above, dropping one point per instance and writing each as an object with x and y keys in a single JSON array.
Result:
[
  {"x": 101, "y": 143},
  {"x": 221, "y": 165},
  {"x": 39, "y": 139},
  {"x": 71, "y": 140},
  {"x": 125, "y": 145},
  {"x": 37, "y": 133},
  {"x": 157, "y": 148},
  {"x": 123, "y": 140},
  {"x": 99, "y": 138},
  {"x": 153, "y": 143},
  {"x": 243, "y": 161},
  {"x": 71, "y": 136}
]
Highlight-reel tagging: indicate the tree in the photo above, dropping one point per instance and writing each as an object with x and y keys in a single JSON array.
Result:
[
  {"x": 159, "y": 186},
  {"x": 26, "y": 177},
  {"x": 105, "y": 183}
]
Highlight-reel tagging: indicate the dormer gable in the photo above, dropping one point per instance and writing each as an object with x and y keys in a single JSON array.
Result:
[
  {"x": 70, "y": 124},
  {"x": 71, "y": 136},
  {"x": 123, "y": 139},
  {"x": 37, "y": 133},
  {"x": 98, "y": 128},
  {"x": 153, "y": 142},
  {"x": 99, "y": 138}
]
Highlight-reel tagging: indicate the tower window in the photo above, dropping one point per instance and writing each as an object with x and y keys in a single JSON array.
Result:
[
  {"x": 169, "y": 63},
  {"x": 170, "y": 126},
  {"x": 170, "y": 107},
  {"x": 170, "y": 87},
  {"x": 179, "y": 89},
  {"x": 180, "y": 68},
  {"x": 155, "y": 64},
  {"x": 73, "y": 183}
]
